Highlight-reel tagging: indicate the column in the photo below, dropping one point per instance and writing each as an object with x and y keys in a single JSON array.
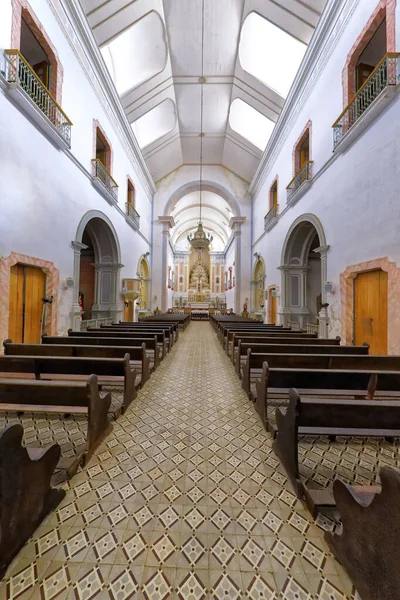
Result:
[
  {"x": 323, "y": 315},
  {"x": 235, "y": 224},
  {"x": 167, "y": 222},
  {"x": 76, "y": 309}
]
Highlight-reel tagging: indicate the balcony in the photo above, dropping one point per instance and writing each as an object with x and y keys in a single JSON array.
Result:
[
  {"x": 132, "y": 214},
  {"x": 32, "y": 96},
  {"x": 103, "y": 181},
  {"x": 369, "y": 101},
  {"x": 300, "y": 183},
  {"x": 270, "y": 217}
]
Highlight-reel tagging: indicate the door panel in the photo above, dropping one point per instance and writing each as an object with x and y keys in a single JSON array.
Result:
[
  {"x": 15, "y": 329},
  {"x": 35, "y": 290},
  {"x": 27, "y": 288},
  {"x": 370, "y": 310}
]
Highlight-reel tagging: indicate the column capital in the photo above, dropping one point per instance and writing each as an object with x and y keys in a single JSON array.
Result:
[
  {"x": 167, "y": 222},
  {"x": 235, "y": 223},
  {"x": 322, "y": 250},
  {"x": 78, "y": 246}
]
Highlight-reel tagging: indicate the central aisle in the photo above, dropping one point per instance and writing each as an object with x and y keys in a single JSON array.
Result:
[{"x": 183, "y": 500}]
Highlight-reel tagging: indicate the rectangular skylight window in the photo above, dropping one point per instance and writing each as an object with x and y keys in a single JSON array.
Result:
[
  {"x": 250, "y": 124},
  {"x": 269, "y": 53}
]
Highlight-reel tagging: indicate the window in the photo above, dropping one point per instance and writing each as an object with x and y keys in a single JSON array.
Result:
[
  {"x": 269, "y": 53},
  {"x": 156, "y": 123},
  {"x": 103, "y": 150},
  {"x": 130, "y": 196},
  {"x": 273, "y": 195},
  {"x": 372, "y": 54},
  {"x": 138, "y": 54},
  {"x": 302, "y": 153},
  {"x": 250, "y": 124}
]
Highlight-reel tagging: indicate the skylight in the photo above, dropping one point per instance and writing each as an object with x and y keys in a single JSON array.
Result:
[
  {"x": 159, "y": 121},
  {"x": 250, "y": 124},
  {"x": 269, "y": 53},
  {"x": 139, "y": 53}
]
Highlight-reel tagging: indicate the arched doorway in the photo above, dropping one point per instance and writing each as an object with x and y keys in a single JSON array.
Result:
[
  {"x": 96, "y": 269},
  {"x": 303, "y": 271},
  {"x": 258, "y": 285}
]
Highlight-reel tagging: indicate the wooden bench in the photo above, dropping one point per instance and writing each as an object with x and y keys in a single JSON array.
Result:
[
  {"x": 330, "y": 417},
  {"x": 228, "y": 342},
  {"x": 368, "y": 545},
  {"x": 61, "y": 397},
  {"x": 58, "y": 367},
  {"x": 170, "y": 330},
  {"x": 25, "y": 491},
  {"x": 161, "y": 338},
  {"x": 97, "y": 340},
  {"x": 225, "y": 334},
  {"x": 127, "y": 325},
  {"x": 142, "y": 362},
  {"x": 290, "y": 349},
  {"x": 182, "y": 320},
  {"x": 356, "y": 384}
]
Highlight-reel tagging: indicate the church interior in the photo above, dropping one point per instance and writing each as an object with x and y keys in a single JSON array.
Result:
[{"x": 199, "y": 322}]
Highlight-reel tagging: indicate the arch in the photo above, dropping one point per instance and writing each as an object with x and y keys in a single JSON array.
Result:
[
  {"x": 303, "y": 272},
  {"x": 306, "y": 218},
  {"x": 106, "y": 266},
  {"x": 209, "y": 186},
  {"x": 114, "y": 247},
  {"x": 259, "y": 274}
]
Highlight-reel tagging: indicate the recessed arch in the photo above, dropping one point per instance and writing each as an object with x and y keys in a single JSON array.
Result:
[
  {"x": 209, "y": 186},
  {"x": 259, "y": 275},
  {"x": 289, "y": 240},
  {"x": 96, "y": 269}
]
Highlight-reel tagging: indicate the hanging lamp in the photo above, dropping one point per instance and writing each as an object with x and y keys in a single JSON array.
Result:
[{"x": 200, "y": 240}]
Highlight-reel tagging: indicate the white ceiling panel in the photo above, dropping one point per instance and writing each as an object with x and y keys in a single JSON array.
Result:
[{"x": 224, "y": 78}]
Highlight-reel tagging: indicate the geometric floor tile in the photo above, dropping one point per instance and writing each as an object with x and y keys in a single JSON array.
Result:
[{"x": 185, "y": 498}]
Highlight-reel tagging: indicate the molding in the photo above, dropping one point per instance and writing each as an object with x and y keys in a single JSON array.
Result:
[
  {"x": 333, "y": 22},
  {"x": 168, "y": 222},
  {"x": 76, "y": 29}
]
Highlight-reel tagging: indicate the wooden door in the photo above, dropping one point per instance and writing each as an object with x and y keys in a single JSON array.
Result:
[
  {"x": 370, "y": 310},
  {"x": 272, "y": 303},
  {"x": 27, "y": 288},
  {"x": 363, "y": 71},
  {"x": 42, "y": 71}
]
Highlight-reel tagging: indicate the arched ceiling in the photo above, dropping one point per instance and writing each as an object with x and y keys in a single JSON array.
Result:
[
  {"x": 215, "y": 215},
  {"x": 157, "y": 47}
]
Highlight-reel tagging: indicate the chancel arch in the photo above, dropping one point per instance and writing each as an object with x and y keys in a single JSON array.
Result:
[
  {"x": 303, "y": 275},
  {"x": 97, "y": 267}
]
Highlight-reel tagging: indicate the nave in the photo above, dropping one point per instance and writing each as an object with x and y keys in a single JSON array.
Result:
[{"x": 184, "y": 499}]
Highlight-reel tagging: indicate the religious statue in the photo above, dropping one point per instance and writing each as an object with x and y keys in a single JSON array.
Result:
[{"x": 245, "y": 313}]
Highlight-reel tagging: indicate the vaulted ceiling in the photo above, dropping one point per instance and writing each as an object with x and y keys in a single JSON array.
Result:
[{"x": 157, "y": 65}]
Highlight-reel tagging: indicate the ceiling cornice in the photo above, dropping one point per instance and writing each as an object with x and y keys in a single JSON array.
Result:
[
  {"x": 333, "y": 21},
  {"x": 81, "y": 30}
]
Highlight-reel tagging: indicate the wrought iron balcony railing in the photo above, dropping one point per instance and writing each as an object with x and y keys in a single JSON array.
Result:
[
  {"x": 271, "y": 214},
  {"x": 385, "y": 74},
  {"x": 133, "y": 214},
  {"x": 100, "y": 172},
  {"x": 20, "y": 72},
  {"x": 304, "y": 174}
]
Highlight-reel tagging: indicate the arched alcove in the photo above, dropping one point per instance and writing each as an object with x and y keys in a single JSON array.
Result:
[
  {"x": 303, "y": 271},
  {"x": 96, "y": 268},
  {"x": 143, "y": 272}
]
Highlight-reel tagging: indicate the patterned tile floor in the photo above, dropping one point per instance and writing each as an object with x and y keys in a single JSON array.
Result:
[{"x": 185, "y": 499}]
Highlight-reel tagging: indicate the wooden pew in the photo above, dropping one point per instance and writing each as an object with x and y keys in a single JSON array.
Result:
[
  {"x": 150, "y": 325},
  {"x": 44, "y": 367},
  {"x": 170, "y": 330},
  {"x": 290, "y": 349},
  {"x": 136, "y": 354},
  {"x": 182, "y": 320},
  {"x": 368, "y": 545},
  {"x": 109, "y": 340},
  {"x": 330, "y": 417},
  {"x": 229, "y": 334},
  {"x": 225, "y": 334},
  {"x": 326, "y": 382},
  {"x": 62, "y": 397},
  {"x": 25, "y": 491},
  {"x": 129, "y": 335}
]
